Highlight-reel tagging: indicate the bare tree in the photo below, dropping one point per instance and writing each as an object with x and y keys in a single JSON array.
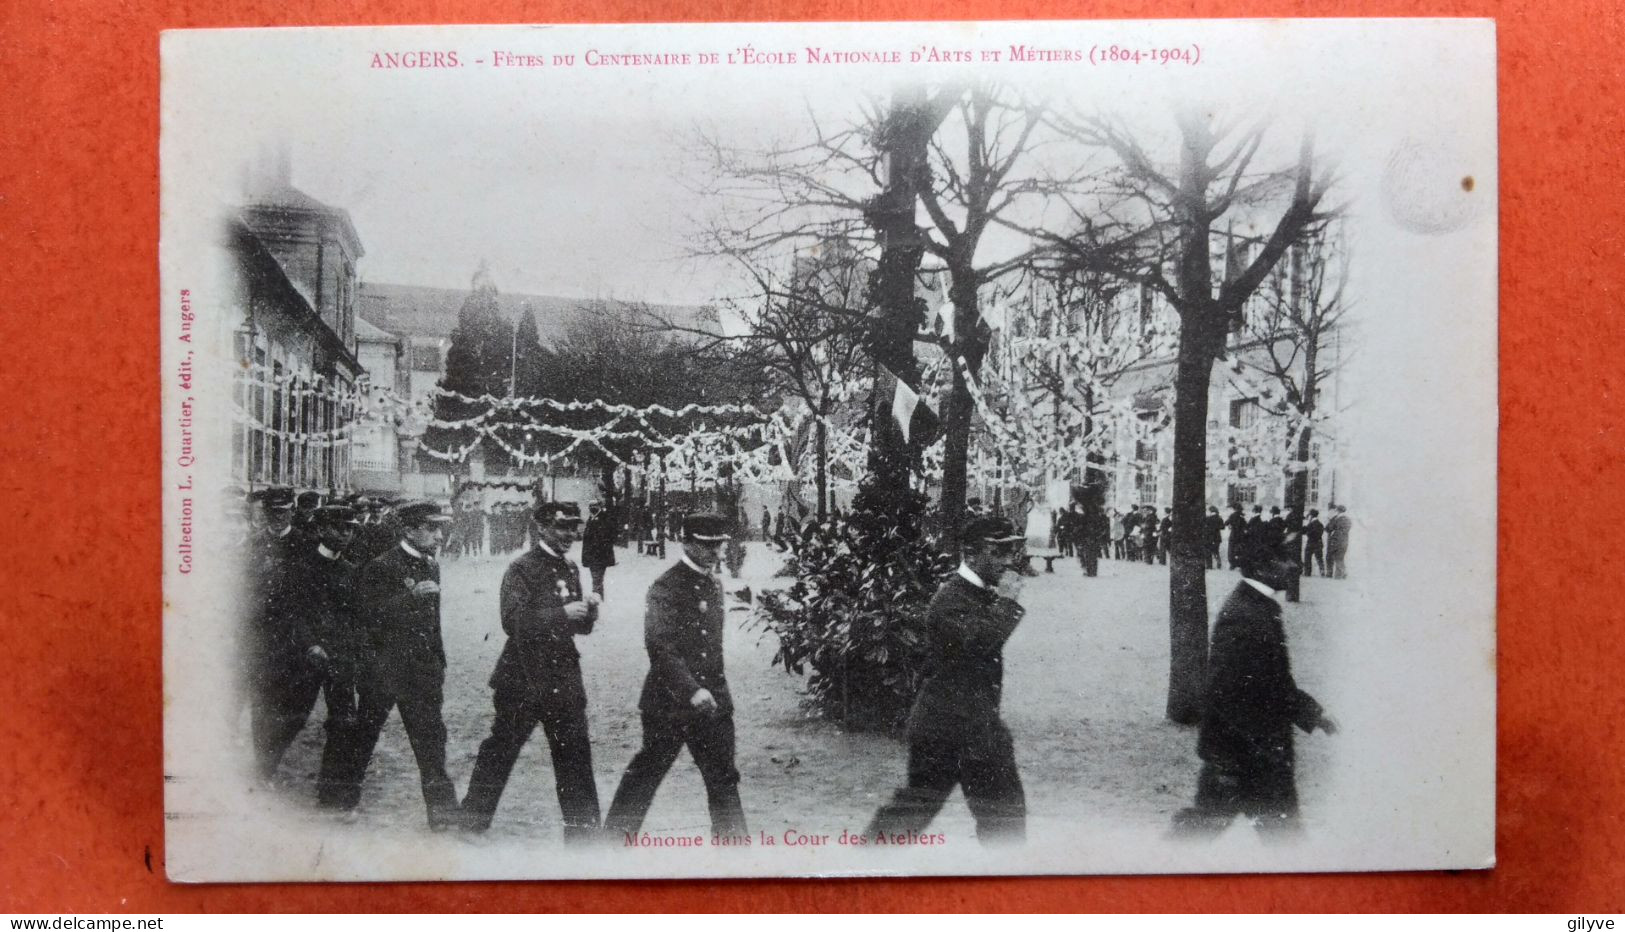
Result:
[
  {"x": 1151, "y": 221},
  {"x": 800, "y": 334},
  {"x": 1299, "y": 307}
]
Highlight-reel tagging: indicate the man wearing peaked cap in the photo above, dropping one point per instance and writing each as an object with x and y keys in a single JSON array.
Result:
[
  {"x": 398, "y": 599},
  {"x": 955, "y": 734},
  {"x": 685, "y": 699},
  {"x": 537, "y": 680}
]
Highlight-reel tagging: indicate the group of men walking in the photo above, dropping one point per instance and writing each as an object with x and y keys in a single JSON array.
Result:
[
  {"x": 345, "y": 604},
  {"x": 360, "y": 625}
]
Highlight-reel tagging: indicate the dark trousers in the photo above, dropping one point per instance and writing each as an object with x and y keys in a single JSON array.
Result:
[
  {"x": 566, "y": 729},
  {"x": 1214, "y": 561},
  {"x": 1335, "y": 567},
  {"x": 1313, "y": 553},
  {"x": 982, "y": 764},
  {"x": 1089, "y": 557},
  {"x": 1270, "y": 798},
  {"x": 597, "y": 573},
  {"x": 283, "y": 697},
  {"x": 710, "y": 741},
  {"x": 1149, "y": 551},
  {"x": 343, "y": 774},
  {"x": 282, "y": 700}
]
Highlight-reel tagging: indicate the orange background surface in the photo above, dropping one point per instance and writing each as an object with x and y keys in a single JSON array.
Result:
[{"x": 81, "y": 782}]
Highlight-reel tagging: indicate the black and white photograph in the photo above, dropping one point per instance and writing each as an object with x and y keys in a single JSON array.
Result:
[{"x": 829, "y": 449}]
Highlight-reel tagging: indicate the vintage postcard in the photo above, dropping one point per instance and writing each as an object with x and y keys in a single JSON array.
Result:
[{"x": 829, "y": 449}]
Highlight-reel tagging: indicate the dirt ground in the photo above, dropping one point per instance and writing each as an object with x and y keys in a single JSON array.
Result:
[{"x": 1084, "y": 692}]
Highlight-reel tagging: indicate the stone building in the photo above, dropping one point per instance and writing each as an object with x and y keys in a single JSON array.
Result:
[{"x": 291, "y": 263}]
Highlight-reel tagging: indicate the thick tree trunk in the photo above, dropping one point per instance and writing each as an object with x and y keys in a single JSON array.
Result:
[
  {"x": 956, "y": 418},
  {"x": 1187, "y": 589},
  {"x": 958, "y": 410},
  {"x": 891, "y": 290}
]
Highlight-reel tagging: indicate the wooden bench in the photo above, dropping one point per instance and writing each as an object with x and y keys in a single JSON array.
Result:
[{"x": 1049, "y": 557}]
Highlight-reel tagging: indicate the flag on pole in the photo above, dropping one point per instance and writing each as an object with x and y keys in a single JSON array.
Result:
[{"x": 914, "y": 417}]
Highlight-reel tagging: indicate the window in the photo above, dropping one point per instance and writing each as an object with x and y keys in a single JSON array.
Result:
[
  {"x": 1242, "y": 494},
  {"x": 1145, "y": 472},
  {"x": 1313, "y": 494},
  {"x": 278, "y": 424},
  {"x": 1243, "y": 412}
]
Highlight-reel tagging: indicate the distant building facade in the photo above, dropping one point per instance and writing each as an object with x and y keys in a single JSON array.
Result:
[{"x": 290, "y": 306}]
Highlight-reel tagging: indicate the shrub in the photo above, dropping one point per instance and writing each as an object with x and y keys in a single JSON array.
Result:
[{"x": 855, "y": 617}]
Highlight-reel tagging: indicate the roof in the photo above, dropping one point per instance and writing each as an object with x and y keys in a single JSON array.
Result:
[
  {"x": 264, "y": 271},
  {"x": 278, "y": 195},
  {"x": 419, "y": 311},
  {"x": 367, "y": 333}
]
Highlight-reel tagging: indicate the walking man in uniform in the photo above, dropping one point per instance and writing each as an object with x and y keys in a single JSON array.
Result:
[
  {"x": 685, "y": 698},
  {"x": 538, "y": 678},
  {"x": 955, "y": 735},
  {"x": 398, "y": 600}
]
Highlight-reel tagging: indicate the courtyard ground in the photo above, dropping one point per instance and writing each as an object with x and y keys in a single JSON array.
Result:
[{"x": 1084, "y": 692}]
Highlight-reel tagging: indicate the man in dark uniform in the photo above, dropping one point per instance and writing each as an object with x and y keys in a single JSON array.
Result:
[
  {"x": 1274, "y": 528},
  {"x": 1148, "y": 534},
  {"x": 1255, "y": 531},
  {"x": 685, "y": 698},
  {"x": 1238, "y": 535},
  {"x": 398, "y": 600},
  {"x": 327, "y": 599},
  {"x": 285, "y": 675},
  {"x": 955, "y": 735},
  {"x": 1214, "y": 525},
  {"x": 538, "y": 677},
  {"x": 1250, "y": 705},
  {"x": 598, "y": 545},
  {"x": 1314, "y": 551}
]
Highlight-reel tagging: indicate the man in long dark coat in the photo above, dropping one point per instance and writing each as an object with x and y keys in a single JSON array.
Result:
[
  {"x": 1214, "y": 525},
  {"x": 1238, "y": 536},
  {"x": 955, "y": 734},
  {"x": 1250, "y": 705},
  {"x": 538, "y": 678},
  {"x": 284, "y": 677},
  {"x": 398, "y": 599},
  {"x": 685, "y": 700},
  {"x": 1314, "y": 550},
  {"x": 598, "y": 545}
]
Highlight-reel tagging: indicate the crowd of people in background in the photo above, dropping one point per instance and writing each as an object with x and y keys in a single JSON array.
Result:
[{"x": 1142, "y": 535}]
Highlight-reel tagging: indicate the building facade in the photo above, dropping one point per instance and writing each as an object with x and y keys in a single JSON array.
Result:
[{"x": 290, "y": 307}]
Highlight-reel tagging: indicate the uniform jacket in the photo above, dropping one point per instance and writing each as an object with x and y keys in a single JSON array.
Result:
[
  {"x": 325, "y": 601},
  {"x": 1252, "y": 700},
  {"x": 279, "y": 632},
  {"x": 682, "y": 630},
  {"x": 540, "y": 656},
  {"x": 1313, "y": 531},
  {"x": 401, "y": 630},
  {"x": 598, "y": 541},
  {"x": 967, "y": 627},
  {"x": 1215, "y": 529}
]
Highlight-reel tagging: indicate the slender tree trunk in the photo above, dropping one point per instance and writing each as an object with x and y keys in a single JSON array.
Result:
[
  {"x": 1187, "y": 589},
  {"x": 822, "y": 442},
  {"x": 1297, "y": 490}
]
